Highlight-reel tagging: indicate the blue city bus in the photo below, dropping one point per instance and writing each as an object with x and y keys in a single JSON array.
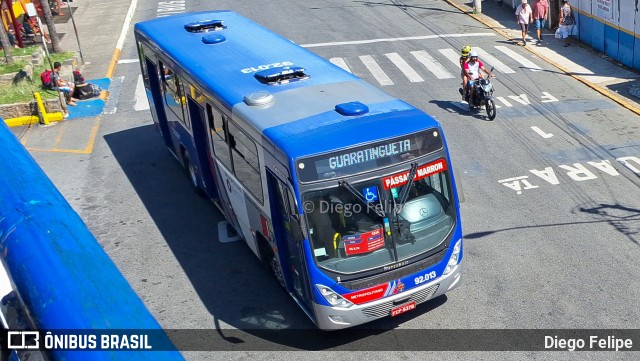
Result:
[{"x": 344, "y": 191}]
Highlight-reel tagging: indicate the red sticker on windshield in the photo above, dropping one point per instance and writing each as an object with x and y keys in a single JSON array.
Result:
[
  {"x": 423, "y": 171},
  {"x": 363, "y": 242}
]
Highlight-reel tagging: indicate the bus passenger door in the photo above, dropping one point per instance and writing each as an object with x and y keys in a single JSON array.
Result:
[
  {"x": 221, "y": 156},
  {"x": 200, "y": 139},
  {"x": 154, "y": 94},
  {"x": 289, "y": 238}
]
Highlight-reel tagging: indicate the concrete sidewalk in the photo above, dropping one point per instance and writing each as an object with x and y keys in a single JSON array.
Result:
[
  {"x": 99, "y": 24},
  {"x": 578, "y": 60}
]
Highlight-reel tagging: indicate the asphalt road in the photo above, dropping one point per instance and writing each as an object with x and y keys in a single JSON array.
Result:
[{"x": 551, "y": 214}]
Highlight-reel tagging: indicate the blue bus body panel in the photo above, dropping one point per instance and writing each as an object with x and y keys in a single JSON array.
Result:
[
  {"x": 247, "y": 45},
  {"x": 299, "y": 138},
  {"x": 57, "y": 267}
]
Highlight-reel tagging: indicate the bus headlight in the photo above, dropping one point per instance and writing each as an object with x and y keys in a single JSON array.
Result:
[
  {"x": 333, "y": 298},
  {"x": 453, "y": 261}
]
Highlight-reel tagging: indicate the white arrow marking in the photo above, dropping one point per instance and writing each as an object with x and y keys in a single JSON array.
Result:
[{"x": 541, "y": 133}]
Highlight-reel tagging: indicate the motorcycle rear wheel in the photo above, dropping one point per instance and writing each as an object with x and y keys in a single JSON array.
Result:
[{"x": 490, "y": 106}]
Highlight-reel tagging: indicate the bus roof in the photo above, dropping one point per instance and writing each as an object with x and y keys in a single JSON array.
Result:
[{"x": 299, "y": 113}]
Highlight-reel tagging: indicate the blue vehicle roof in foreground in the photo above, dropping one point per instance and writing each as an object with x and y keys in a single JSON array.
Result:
[{"x": 330, "y": 109}]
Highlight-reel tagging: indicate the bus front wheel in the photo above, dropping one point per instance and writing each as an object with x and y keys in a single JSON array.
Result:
[{"x": 270, "y": 260}]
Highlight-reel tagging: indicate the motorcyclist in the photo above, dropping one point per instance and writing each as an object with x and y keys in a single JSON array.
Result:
[
  {"x": 472, "y": 70},
  {"x": 464, "y": 58}
]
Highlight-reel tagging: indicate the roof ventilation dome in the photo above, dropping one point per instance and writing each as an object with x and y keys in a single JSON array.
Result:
[{"x": 352, "y": 108}]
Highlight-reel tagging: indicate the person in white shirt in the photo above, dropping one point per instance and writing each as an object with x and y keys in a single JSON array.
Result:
[
  {"x": 472, "y": 70},
  {"x": 524, "y": 16}
]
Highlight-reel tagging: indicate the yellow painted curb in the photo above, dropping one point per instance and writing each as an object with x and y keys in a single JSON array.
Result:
[
  {"x": 104, "y": 95},
  {"x": 607, "y": 93},
  {"x": 114, "y": 62},
  {"x": 20, "y": 121},
  {"x": 32, "y": 119}
]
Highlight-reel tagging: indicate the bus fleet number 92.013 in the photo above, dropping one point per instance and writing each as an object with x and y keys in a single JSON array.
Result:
[{"x": 426, "y": 277}]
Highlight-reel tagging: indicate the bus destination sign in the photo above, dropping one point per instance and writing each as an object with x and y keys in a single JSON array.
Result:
[{"x": 369, "y": 157}]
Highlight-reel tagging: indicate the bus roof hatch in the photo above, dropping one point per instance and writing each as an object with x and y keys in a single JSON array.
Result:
[
  {"x": 283, "y": 75},
  {"x": 204, "y": 26}
]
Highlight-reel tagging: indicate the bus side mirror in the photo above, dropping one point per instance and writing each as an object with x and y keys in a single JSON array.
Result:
[{"x": 459, "y": 188}]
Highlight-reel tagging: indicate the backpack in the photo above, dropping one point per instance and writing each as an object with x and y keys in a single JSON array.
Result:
[
  {"x": 77, "y": 77},
  {"x": 86, "y": 91},
  {"x": 96, "y": 90},
  {"x": 47, "y": 79}
]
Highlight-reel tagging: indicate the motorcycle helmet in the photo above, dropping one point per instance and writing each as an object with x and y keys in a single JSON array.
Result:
[
  {"x": 473, "y": 54},
  {"x": 465, "y": 51}
]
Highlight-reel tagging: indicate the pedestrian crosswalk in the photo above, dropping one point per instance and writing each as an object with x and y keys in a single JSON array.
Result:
[{"x": 422, "y": 65}]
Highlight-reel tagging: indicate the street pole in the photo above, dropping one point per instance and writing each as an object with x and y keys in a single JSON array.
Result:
[
  {"x": 75, "y": 30},
  {"x": 477, "y": 6},
  {"x": 31, "y": 10}
]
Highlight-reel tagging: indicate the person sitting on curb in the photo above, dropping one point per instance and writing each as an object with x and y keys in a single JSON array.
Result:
[{"x": 64, "y": 86}]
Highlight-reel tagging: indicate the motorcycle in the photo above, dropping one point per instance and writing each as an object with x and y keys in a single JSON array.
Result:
[{"x": 483, "y": 95}]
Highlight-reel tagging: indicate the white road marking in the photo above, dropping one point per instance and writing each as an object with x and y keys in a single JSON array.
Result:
[
  {"x": 341, "y": 63},
  {"x": 491, "y": 60},
  {"x": 504, "y": 101},
  {"x": 125, "y": 26},
  {"x": 432, "y": 64},
  {"x": 375, "y": 70},
  {"x": 424, "y": 37},
  {"x": 128, "y": 61},
  {"x": 519, "y": 58},
  {"x": 452, "y": 55},
  {"x": 404, "y": 67},
  {"x": 541, "y": 133},
  {"x": 140, "y": 96}
]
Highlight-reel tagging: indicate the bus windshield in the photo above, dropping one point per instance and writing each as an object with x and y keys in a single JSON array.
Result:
[{"x": 361, "y": 226}]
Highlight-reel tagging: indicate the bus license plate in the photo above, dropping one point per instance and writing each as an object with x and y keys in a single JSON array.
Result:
[{"x": 403, "y": 308}]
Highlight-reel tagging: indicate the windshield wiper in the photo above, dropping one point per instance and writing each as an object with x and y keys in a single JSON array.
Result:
[
  {"x": 360, "y": 197},
  {"x": 404, "y": 228},
  {"x": 402, "y": 225},
  {"x": 405, "y": 192}
]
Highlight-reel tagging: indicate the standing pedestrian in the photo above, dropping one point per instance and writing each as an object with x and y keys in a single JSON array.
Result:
[
  {"x": 524, "y": 16},
  {"x": 567, "y": 22},
  {"x": 540, "y": 14}
]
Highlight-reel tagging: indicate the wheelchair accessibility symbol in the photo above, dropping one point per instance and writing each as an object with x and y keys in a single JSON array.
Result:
[{"x": 370, "y": 194}]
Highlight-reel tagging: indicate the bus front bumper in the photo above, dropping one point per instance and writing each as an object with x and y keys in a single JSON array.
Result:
[{"x": 335, "y": 318}]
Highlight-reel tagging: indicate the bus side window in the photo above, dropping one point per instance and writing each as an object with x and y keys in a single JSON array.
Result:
[
  {"x": 217, "y": 134},
  {"x": 246, "y": 165},
  {"x": 143, "y": 63},
  {"x": 174, "y": 97}
]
